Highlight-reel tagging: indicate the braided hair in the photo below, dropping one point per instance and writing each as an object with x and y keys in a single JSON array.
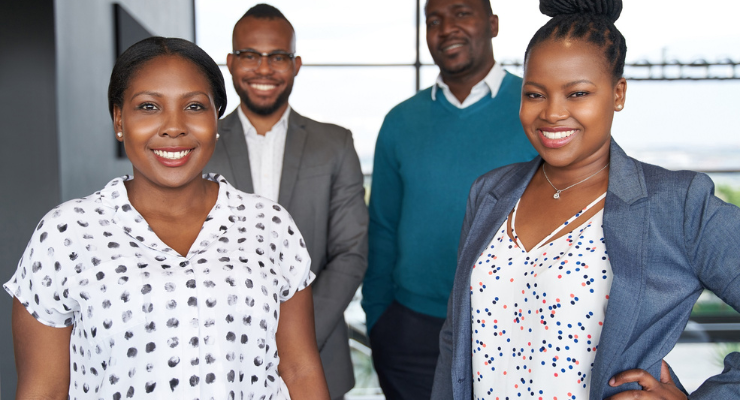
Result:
[{"x": 589, "y": 20}]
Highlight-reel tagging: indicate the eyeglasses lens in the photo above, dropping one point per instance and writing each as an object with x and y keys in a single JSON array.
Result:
[{"x": 278, "y": 62}]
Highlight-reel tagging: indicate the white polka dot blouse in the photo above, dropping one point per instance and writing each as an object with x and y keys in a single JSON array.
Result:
[{"x": 150, "y": 323}]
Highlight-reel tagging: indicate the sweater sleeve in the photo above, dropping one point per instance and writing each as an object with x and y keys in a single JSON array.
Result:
[{"x": 386, "y": 195}]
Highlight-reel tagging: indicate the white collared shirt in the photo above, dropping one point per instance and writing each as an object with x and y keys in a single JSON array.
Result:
[
  {"x": 266, "y": 155},
  {"x": 490, "y": 84}
]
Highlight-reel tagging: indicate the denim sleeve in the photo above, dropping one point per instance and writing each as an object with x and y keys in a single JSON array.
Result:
[{"x": 712, "y": 232}]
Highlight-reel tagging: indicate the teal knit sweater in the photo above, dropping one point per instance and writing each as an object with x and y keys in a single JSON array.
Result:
[{"x": 427, "y": 156}]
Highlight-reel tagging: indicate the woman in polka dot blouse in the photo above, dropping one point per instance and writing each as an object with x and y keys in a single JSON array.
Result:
[
  {"x": 577, "y": 271},
  {"x": 167, "y": 283}
]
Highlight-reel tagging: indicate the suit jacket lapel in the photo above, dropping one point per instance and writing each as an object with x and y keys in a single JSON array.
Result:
[
  {"x": 232, "y": 137},
  {"x": 295, "y": 141},
  {"x": 626, "y": 215},
  {"x": 493, "y": 209}
]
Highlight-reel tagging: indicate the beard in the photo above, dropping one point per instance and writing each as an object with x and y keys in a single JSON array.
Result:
[
  {"x": 268, "y": 109},
  {"x": 458, "y": 68}
]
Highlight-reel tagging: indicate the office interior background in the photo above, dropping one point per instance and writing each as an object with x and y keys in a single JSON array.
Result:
[{"x": 360, "y": 59}]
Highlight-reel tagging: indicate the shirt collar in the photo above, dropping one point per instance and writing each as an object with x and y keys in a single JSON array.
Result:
[
  {"x": 493, "y": 80},
  {"x": 218, "y": 221},
  {"x": 249, "y": 130}
]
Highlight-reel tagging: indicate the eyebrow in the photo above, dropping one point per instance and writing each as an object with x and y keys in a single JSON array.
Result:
[
  {"x": 577, "y": 82},
  {"x": 276, "y": 51},
  {"x": 535, "y": 84},
  {"x": 160, "y": 95},
  {"x": 454, "y": 7},
  {"x": 154, "y": 94}
]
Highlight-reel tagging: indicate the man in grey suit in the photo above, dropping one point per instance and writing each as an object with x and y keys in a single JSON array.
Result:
[{"x": 310, "y": 168}]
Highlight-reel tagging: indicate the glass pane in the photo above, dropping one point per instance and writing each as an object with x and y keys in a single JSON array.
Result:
[
  {"x": 328, "y": 31},
  {"x": 357, "y": 98},
  {"x": 681, "y": 124}
]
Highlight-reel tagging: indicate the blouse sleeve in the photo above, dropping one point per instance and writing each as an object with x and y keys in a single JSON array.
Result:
[
  {"x": 291, "y": 254},
  {"x": 39, "y": 282}
]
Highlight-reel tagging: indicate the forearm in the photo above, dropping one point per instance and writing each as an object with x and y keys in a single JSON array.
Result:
[
  {"x": 300, "y": 365},
  {"x": 41, "y": 357},
  {"x": 306, "y": 382}
]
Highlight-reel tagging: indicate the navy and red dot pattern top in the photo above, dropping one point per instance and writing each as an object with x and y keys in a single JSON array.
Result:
[{"x": 537, "y": 315}]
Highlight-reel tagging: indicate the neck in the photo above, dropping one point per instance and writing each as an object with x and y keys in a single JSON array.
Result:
[
  {"x": 461, "y": 84},
  {"x": 592, "y": 167},
  {"x": 154, "y": 200},
  {"x": 263, "y": 123}
]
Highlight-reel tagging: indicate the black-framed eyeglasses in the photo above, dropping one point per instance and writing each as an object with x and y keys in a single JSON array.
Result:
[{"x": 277, "y": 60}]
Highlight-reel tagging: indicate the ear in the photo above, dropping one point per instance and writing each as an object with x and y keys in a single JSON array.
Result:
[
  {"x": 229, "y": 62},
  {"x": 620, "y": 94},
  {"x": 298, "y": 64},
  {"x": 493, "y": 20},
  {"x": 117, "y": 122}
]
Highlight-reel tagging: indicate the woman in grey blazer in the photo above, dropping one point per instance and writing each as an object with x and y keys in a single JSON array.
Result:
[{"x": 657, "y": 237}]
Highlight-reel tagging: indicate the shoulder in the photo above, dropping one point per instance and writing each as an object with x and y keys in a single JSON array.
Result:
[
  {"x": 501, "y": 176},
  {"x": 66, "y": 231},
  {"x": 659, "y": 177},
  {"x": 404, "y": 117},
  {"x": 82, "y": 212},
  {"x": 661, "y": 182},
  {"x": 229, "y": 120},
  {"x": 312, "y": 125},
  {"x": 423, "y": 98},
  {"x": 324, "y": 141},
  {"x": 511, "y": 86}
]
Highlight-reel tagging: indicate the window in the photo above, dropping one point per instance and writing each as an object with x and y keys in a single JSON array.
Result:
[{"x": 675, "y": 124}]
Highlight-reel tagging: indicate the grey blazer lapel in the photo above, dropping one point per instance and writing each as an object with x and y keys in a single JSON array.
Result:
[
  {"x": 626, "y": 216},
  {"x": 232, "y": 137},
  {"x": 490, "y": 213},
  {"x": 494, "y": 208},
  {"x": 295, "y": 142}
]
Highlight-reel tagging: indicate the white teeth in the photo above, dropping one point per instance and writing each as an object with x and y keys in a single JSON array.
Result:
[
  {"x": 558, "y": 135},
  {"x": 454, "y": 46},
  {"x": 172, "y": 155},
  {"x": 260, "y": 86}
]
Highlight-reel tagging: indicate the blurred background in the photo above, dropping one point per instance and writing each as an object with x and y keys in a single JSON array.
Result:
[{"x": 360, "y": 59}]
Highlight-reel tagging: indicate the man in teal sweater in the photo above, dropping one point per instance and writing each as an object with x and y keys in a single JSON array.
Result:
[{"x": 429, "y": 151}]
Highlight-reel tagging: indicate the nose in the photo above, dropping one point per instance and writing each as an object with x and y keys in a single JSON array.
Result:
[
  {"x": 174, "y": 124},
  {"x": 447, "y": 26},
  {"x": 554, "y": 111},
  {"x": 264, "y": 67}
]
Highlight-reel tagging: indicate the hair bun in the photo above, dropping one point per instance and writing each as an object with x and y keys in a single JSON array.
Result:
[{"x": 608, "y": 8}]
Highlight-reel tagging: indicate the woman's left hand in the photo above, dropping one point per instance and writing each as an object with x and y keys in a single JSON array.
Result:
[{"x": 651, "y": 388}]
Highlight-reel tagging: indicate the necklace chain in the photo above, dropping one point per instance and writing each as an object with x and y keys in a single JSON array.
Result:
[{"x": 558, "y": 191}]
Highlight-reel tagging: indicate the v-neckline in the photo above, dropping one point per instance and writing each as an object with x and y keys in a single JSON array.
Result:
[{"x": 557, "y": 230}]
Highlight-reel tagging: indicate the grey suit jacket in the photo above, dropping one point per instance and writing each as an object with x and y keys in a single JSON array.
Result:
[
  {"x": 322, "y": 188},
  {"x": 668, "y": 238}
]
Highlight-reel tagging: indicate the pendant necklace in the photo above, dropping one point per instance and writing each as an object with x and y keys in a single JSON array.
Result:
[{"x": 558, "y": 191}]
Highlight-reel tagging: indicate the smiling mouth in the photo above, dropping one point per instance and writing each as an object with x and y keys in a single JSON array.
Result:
[
  {"x": 452, "y": 46},
  {"x": 172, "y": 155},
  {"x": 262, "y": 86},
  {"x": 558, "y": 135}
]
